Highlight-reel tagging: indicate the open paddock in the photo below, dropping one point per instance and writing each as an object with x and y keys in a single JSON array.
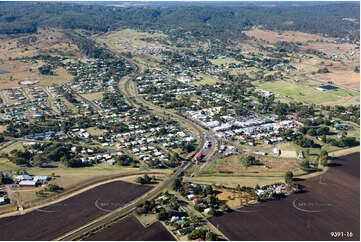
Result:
[
  {"x": 309, "y": 94},
  {"x": 19, "y": 71},
  {"x": 270, "y": 165},
  {"x": 45, "y": 42},
  {"x": 330, "y": 203},
  {"x": 130, "y": 229},
  {"x": 309, "y": 41},
  {"x": 290, "y": 36},
  {"x": 231, "y": 180},
  {"x": 120, "y": 40},
  {"x": 72, "y": 179},
  {"x": 55, "y": 220}
]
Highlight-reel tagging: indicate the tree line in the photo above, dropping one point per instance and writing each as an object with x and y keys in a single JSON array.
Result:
[{"x": 203, "y": 22}]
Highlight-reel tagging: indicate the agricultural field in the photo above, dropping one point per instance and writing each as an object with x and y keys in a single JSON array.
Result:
[
  {"x": 73, "y": 212},
  {"x": 296, "y": 212},
  {"x": 129, "y": 228},
  {"x": 309, "y": 94},
  {"x": 75, "y": 178}
]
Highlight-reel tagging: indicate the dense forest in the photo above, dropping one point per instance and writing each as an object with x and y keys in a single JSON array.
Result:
[{"x": 202, "y": 21}]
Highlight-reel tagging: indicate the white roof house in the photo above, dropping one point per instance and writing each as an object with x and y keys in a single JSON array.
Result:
[
  {"x": 28, "y": 183},
  {"x": 41, "y": 178},
  {"x": 22, "y": 177}
]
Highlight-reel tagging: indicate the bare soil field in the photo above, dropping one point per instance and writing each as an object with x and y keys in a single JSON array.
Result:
[
  {"x": 234, "y": 198},
  {"x": 342, "y": 74},
  {"x": 330, "y": 203},
  {"x": 55, "y": 220},
  {"x": 131, "y": 229}
]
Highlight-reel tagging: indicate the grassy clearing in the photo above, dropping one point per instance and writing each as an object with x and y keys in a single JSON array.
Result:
[
  {"x": 270, "y": 166},
  {"x": 70, "y": 177},
  {"x": 147, "y": 219},
  {"x": 304, "y": 93},
  {"x": 224, "y": 62},
  {"x": 5, "y": 164},
  {"x": 211, "y": 166},
  {"x": 15, "y": 146},
  {"x": 205, "y": 80},
  {"x": 233, "y": 181},
  {"x": 95, "y": 131},
  {"x": 19, "y": 71},
  {"x": 73, "y": 178},
  {"x": 118, "y": 40},
  {"x": 93, "y": 96}
]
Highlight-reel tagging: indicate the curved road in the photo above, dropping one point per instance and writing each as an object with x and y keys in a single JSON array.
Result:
[
  {"x": 157, "y": 111},
  {"x": 73, "y": 235}
]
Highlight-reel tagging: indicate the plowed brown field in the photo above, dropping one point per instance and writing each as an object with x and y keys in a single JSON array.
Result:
[
  {"x": 52, "y": 221},
  {"x": 131, "y": 229},
  {"x": 331, "y": 203}
]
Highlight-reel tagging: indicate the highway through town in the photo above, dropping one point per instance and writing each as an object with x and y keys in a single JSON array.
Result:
[
  {"x": 131, "y": 95},
  {"x": 132, "y": 98},
  {"x": 73, "y": 235}
]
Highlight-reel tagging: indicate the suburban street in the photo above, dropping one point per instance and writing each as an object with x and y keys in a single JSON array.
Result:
[{"x": 129, "y": 96}]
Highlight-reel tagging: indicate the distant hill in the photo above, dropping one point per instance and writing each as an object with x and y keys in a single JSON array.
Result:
[{"x": 222, "y": 21}]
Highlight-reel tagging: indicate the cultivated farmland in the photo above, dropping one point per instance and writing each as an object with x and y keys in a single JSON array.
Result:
[
  {"x": 130, "y": 228},
  {"x": 52, "y": 221},
  {"x": 330, "y": 203}
]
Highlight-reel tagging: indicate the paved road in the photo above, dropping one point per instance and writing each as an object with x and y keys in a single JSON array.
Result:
[
  {"x": 168, "y": 182},
  {"x": 90, "y": 103},
  {"x": 153, "y": 108},
  {"x": 128, "y": 208}
]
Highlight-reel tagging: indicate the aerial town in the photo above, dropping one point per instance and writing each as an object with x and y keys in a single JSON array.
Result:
[{"x": 160, "y": 129}]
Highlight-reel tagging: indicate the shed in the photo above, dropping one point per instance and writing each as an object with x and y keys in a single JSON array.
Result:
[{"x": 27, "y": 183}]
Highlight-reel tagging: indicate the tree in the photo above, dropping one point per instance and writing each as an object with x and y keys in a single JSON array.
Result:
[
  {"x": 288, "y": 177},
  {"x": 323, "y": 158},
  {"x": 177, "y": 184},
  {"x": 73, "y": 163},
  {"x": 147, "y": 179},
  {"x": 54, "y": 188},
  {"x": 197, "y": 233},
  {"x": 311, "y": 132},
  {"x": 162, "y": 215},
  {"x": 211, "y": 236},
  {"x": 140, "y": 180},
  {"x": 323, "y": 130}
]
